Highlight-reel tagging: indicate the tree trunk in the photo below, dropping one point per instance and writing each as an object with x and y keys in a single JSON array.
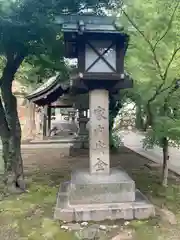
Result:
[
  {"x": 165, "y": 162},
  {"x": 139, "y": 120},
  {"x": 149, "y": 119},
  {"x": 5, "y": 136},
  {"x": 14, "y": 170}
]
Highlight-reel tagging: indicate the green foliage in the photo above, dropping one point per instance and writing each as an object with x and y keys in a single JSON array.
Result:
[
  {"x": 163, "y": 127},
  {"x": 114, "y": 108},
  {"x": 27, "y": 31},
  {"x": 153, "y": 61},
  {"x": 152, "y": 19},
  {"x": 28, "y": 24},
  {"x": 115, "y": 140}
]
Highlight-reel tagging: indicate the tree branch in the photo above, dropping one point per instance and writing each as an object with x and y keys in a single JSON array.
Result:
[
  {"x": 168, "y": 27},
  {"x": 148, "y": 42},
  {"x": 12, "y": 65},
  {"x": 170, "y": 61},
  {"x": 159, "y": 90},
  {"x": 152, "y": 48}
]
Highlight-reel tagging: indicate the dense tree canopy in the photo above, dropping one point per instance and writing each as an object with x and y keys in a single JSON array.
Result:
[
  {"x": 27, "y": 31},
  {"x": 30, "y": 45},
  {"x": 153, "y": 61}
]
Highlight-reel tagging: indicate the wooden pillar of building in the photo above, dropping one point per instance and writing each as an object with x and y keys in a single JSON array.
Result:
[
  {"x": 31, "y": 120},
  {"x": 45, "y": 121},
  {"x": 49, "y": 118}
]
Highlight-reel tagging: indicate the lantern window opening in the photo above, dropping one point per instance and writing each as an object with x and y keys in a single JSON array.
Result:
[{"x": 100, "y": 55}]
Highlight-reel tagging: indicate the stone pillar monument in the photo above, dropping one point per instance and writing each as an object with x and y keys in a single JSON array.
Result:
[
  {"x": 99, "y": 131},
  {"x": 99, "y": 192}
]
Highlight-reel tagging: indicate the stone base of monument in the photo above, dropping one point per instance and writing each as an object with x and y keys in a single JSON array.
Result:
[
  {"x": 96, "y": 198},
  {"x": 81, "y": 142}
]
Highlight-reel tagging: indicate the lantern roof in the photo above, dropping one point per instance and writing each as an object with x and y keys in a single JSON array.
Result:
[{"x": 89, "y": 23}]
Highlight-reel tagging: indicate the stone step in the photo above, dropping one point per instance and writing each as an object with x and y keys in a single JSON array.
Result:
[
  {"x": 38, "y": 149},
  {"x": 53, "y": 141},
  {"x": 141, "y": 208},
  {"x": 97, "y": 188}
]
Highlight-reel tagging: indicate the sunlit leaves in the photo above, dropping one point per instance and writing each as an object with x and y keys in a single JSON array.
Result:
[
  {"x": 152, "y": 18},
  {"x": 153, "y": 61}
]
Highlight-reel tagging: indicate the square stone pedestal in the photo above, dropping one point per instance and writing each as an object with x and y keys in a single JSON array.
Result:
[
  {"x": 81, "y": 142},
  {"x": 97, "y": 188},
  {"x": 96, "y": 198}
]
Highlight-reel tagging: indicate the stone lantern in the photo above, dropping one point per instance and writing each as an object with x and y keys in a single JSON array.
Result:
[
  {"x": 81, "y": 103},
  {"x": 99, "y": 48},
  {"x": 98, "y": 193}
]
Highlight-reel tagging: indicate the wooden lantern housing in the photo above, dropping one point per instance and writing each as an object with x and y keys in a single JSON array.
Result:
[{"x": 99, "y": 47}]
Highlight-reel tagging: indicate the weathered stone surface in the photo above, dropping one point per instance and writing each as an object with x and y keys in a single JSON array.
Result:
[
  {"x": 82, "y": 120},
  {"x": 81, "y": 142},
  {"x": 82, "y": 139},
  {"x": 100, "y": 193},
  {"x": 99, "y": 212},
  {"x": 92, "y": 189},
  {"x": 99, "y": 131},
  {"x": 65, "y": 215},
  {"x": 143, "y": 209}
]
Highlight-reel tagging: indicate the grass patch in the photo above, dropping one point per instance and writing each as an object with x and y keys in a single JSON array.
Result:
[
  {"x": 30, "y": 216},
  {"x": 149, "y": 182}
]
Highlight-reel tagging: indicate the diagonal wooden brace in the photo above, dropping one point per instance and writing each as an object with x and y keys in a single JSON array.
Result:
[{"x": 101, "y": 56}]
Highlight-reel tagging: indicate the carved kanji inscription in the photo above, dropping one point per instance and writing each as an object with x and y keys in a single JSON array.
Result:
[
  {"x": 100, "y": 113},
  {"x": 100, "y": 144},
  {"x": 99, "y": 129},
  {"x": 100, "y": 165}
]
